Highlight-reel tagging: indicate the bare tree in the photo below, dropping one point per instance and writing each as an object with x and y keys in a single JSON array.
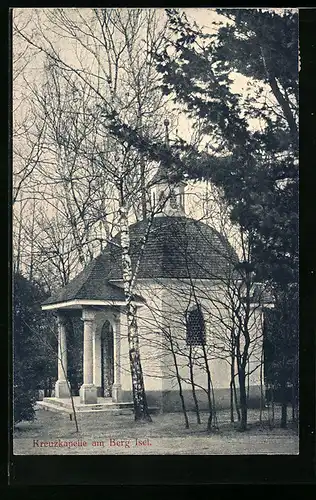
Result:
[
  {"x": 26, "y": 135},
  {"x": 232, "y": 308},
  {"x": 113, "y": 71}
]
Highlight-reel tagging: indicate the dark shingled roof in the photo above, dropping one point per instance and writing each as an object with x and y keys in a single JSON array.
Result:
[
  {"x": 90, "y": 284},
  {"x": 177, "y": 247}
]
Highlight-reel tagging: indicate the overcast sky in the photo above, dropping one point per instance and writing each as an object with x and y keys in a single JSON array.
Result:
[{"x": 33, "y": 73}]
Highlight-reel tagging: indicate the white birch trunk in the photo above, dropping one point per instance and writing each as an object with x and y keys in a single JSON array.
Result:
[{"x": 139, "y": 395}]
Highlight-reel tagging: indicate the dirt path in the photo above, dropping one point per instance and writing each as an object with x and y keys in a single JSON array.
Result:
[
  {"x": 54, "y": 434},
  {"x": 190, "y": 445}
]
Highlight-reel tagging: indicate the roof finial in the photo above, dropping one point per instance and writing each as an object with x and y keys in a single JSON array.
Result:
[{"x": 166, "y": 124}]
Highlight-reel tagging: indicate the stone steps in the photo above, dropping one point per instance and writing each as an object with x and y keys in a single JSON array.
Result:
[
  {"x": 66, "y": 403},
  {"x": 60, "y": 406},
  {"x": 68, "y": 410}
]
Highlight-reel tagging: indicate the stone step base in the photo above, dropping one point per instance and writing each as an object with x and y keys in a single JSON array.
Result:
[
  {"x": 50, "y": 404},
  {"x": 105, "y": 402},
  {"x": 68, "y": 411}
]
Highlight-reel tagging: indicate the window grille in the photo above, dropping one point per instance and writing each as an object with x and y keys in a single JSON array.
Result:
[{"x": 195, "y": 326}]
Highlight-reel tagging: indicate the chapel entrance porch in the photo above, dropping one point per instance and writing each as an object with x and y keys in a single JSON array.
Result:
[
  {"x": 97, "y": 354},
  {"x": 102, "y": 340}
]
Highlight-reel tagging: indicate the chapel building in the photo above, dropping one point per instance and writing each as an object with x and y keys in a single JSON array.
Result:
[{"x": 186, "y": 273}]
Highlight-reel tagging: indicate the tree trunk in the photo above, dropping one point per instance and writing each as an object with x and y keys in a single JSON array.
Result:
[
  {"x": 283, "y": 406},
  {"x": 236, "y": 400},
  {"x": 268, "y": 404},
  {"x": 284, "y": 415},
  {"x": 18, "y": 256},
  {"x": 272, "y": 404},
  {"x": 74, "y": 413},
  {"x": 139, "y": 396},
  {"x": 143, "y": 189},
  {"x": 284, "y": 103},
  {"x": 242, "y": 398},
  {"x": 261, "y": 388},
  {"x": 196, "y": 404},
  {"x": 294, "y": 395},
  {"x": 215, "y": 422},
  {"x": 184, "y": 411},
  {"x": 293, "y": 407},
  {"x": 231, "y": 388},
  {"x": 209, "y": 391},
  {"x": 231, "y": 385},
  {"x": 294, "y": 403},
  {"x": 242, "y": 354},
  {"x": 32, "y": 243}
]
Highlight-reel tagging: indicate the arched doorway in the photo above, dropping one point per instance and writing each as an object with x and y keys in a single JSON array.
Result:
[{"x": 107, "y": 359}]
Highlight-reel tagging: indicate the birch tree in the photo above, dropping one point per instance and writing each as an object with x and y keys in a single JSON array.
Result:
[{"x": 109, "y": 54}]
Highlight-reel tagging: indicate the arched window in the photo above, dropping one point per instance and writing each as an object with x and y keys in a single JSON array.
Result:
[{"x": 195, "y": 326}]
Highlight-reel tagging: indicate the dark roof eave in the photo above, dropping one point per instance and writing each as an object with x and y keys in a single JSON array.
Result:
[
  {"x": 80, "y": 303},
  {"x": 113, "y": 294}
]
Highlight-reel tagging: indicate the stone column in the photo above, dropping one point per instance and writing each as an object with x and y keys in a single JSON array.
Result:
[
  {"x": 116, "y": 387},
  {"x": 88, "y": 391},
  {"x": 61, "y": 386}
]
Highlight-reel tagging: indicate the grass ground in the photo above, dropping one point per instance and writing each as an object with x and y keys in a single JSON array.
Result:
[{"x": 165, "y": 435}]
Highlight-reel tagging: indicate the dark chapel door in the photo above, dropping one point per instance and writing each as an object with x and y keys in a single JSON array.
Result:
[{"x": 107, "y": 359}]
